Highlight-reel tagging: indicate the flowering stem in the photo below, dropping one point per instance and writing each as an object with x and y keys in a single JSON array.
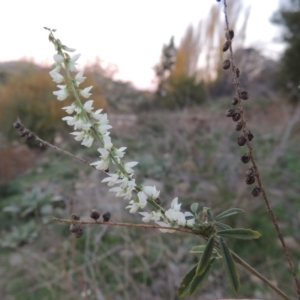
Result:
[{"x": 255, "y": 167}]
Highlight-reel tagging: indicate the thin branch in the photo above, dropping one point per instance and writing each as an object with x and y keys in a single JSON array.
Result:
[
  {"x": 255, "y": 167},
  {"x": 83, "y": 222},
  {"x": 29, "y": 135}
]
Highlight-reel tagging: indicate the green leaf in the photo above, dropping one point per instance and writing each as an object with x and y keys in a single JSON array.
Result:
[
  {"x": 200, "y": 249},
  {"x": 230, "y": 267},
  {"x": 222, "y": 225},
  {"x": 205, "y": 258},
  {"x": 194, "y": 207},
  {"x": 183, "y": 289},
  {"x": 239, "y": 233},
  {"x": 199, "y": 280},
  {"x": 228, "y": 213}
]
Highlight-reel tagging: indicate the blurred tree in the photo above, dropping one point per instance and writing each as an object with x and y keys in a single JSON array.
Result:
[{"x": 288, "y": 17}]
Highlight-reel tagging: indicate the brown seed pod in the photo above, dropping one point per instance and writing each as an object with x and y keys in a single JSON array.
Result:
[
  {"x": 241, "y": 140},
  {"x": 230, "y": 112},
  {"x": 237, "y": 72},
  {"x": 157, "y": 201},
  {"x": 226, "y": 46},
  {"x": 74, "y": 228},
  {"x": 231, "y": 34},
  {"x": 106, "y": 216},
  {"x": 245, "y": 158},
  {"x": 244, "y": 95},
  {"x": 235, "y": 101},
  {"x": 79, "y": 233},
  {"x": 239, "y": 126},
  {"x": 250, "y": 136},
  {"x": 236, "y": 117},
  {"x": 256, "y": 191},
  {"x": 250, "y": 180},
  {"x": 250, "y": 172},
  {"x": 17, "y": 124},
  {"x": 95, "y": 214},
  {"x": 226, "y": 64},
  {"x": 75, "y": 217}
]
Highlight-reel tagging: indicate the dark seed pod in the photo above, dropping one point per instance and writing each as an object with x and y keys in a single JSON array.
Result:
[
  {"x": 236, "y": 117},
  {"x": 24, "y": 132},
  {"x": 250, "y": 172},
  {"x": 241, "y": 140},
  {"x": 237, "y": 72},
  {"x": 231, "y": 34},
  {"x": 29, "y": 136},
  {"x": 226, "y": 46},
  {"x": 239, "y": 126},
  {"x": 256, "y": 191},
  {"x": 230, "y": 112},
  {"x": 106, "y": 216},
  {"x": 95, "y": 214},
  {"x": 157, "y": 201},
  {"x": 250, "y": 180},
  {"x": 74, "y": 228},
  {"x": 17, "y": 124},
  {"x": 226, "y": 64},
  {"x": 75, "y": 217},
  {"x": 245, "y": 158},
  {"x": 244, "y": 95},
  {"x": 235, "y": 101},
  {"x": 79, "y": 233},
  {"x": 106, "y": 171},
  {"x": 250, "y": 136}
]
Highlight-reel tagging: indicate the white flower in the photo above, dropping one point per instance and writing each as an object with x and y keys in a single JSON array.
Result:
[
  {"x": 62, "y": 94},
  {"x": 78, "y": 135},
  {"x": 72, "y": 62},
  {"x": 120, "y": 152},
  {"x": 189, "y": 222},
  {"x": 175, "y": 216},
  {"x": 175, "y": 205},
  {"x": 58, "y": 58},
  {"x": 85, "y": 92},
  {"x": 96, "y": 114},
  {"x": 87, "y": 141},
  {"x": 79, "y": 78},
  {"x": 58, "y": 78},
  {"x": 140, "y": 202},
  {"x": 69, "y": 109},
  {"x": 107, "y": 142},
  {"x": 88, "y": 106},
  {"x": 151, "y": 191},
  {"x": 103, "y": 129},
  {"x": 128, "y": 166},
  {"x": 125, "y": 189},
  {"x": 154, "y": 216},
  {"x": 70, "y": 120},
  {"x": 112, "y": 179}
]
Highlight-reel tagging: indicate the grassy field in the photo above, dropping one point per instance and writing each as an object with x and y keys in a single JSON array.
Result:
[{"x": 191, "y": 154}]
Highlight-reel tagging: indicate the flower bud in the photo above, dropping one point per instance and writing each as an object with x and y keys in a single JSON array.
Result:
[
  {"x": 79, "y": 233},
  {"x": 245, "y": 158},
  {"x": 256, "y": 191},
  {"x": 230, "y": 112},
  {"x": 95, "y": 214},
  {"x": 75, "y": 217},
  {"x": 235, "y": 101},
  {"x": 239, "y": 126},
  {"x": 226, "y": 64},
  {"x": 106, "y": 216},
  {"x": 244, "y": 95},
  {"x": 241, "y": 140},
  {"x": 236, "y": 117},
  {"x": 226, "y": 46},
  {"x": 250, "y": 180}
]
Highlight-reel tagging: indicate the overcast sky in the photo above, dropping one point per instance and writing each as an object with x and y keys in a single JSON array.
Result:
[{"x": 127, "y": 33}]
